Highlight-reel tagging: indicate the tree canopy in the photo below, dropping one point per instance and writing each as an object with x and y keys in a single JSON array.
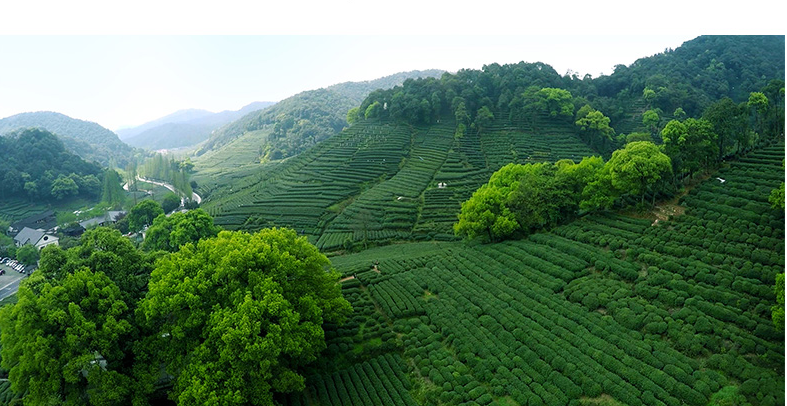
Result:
[
  {"x": 36, "y": 164},
  {"x": 170, "y": 233},
  {"x": 63, "y": 341},
  {"x": 525, "y": 198},
  {"x": 236, "y": 316},
  {"x": 637, "y": 167},
  {"x": 143, "y": 214}
]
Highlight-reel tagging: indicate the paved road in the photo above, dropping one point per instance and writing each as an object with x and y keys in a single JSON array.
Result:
[
  {"x": 9, "y": 282},
  {"x": 194, "y": 196}
]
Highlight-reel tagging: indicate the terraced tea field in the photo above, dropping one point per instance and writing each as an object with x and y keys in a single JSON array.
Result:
[
  {"x": 607, "y": 307},
  {"x": 376, "y": 181}
]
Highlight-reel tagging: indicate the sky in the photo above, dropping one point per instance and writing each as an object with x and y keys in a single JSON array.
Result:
[
  {"x": 128, "y": 80},
  {"x": 122, "y": 66}
]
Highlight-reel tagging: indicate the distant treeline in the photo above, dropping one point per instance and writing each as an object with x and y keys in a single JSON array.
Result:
[
  {"x": 167, "y": 169},
  {"x": 681, "y": 83}
]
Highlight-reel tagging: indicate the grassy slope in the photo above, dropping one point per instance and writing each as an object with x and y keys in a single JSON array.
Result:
[
  {"x": 374, "y": 181},
  {"x": 603, "y": 310}
]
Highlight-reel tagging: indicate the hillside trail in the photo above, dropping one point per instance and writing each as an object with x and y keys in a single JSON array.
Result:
[{"x": 667, "y": 209}]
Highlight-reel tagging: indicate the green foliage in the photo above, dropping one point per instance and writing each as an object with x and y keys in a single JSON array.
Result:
[
  {"x": 634, "y": 137},
  {"x": 63, "y": 341},
  {"x": 727, "y": 396},
  {"x": 167, "y": 169},
  {"x": 36, "y": 164},
  {"x": 776, "y": 198},
  {"x": 353, "y": 115},
  {"x": 483, "y": 118},
  {"x": 778, "y": 309},
  {"x": 170, "y": 202},
  {"x": 27, "y": 254},
  {"x": 651, "y": 120},
  {"x": 170, "y": 233},
  {"x": 525, "y": 198},
  {"x": 637, "y": 167},
  {"x": 143, "y": 214},
  {"x": 102, "y": 250},
  {"x": 112, "y": 193},
  {"x": 691, "y": 145},
  {"x": 373, "y": 110},
  {"x": 64, "y": 187},
  {"x": 594, "y": 128},
  {"x": 556, "y": 102},
  {"x": 729, "y": 122},
  {"x": 271, "y": 281}
]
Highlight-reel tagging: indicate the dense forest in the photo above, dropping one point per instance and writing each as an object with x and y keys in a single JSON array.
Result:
[
  {"x": 36, "y": 165},
  {"x": 676, "y": 84},
  {"x": 89, "y": 140}
]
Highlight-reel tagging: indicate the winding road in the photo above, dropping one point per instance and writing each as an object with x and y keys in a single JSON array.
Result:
[{"x": 195, "y": 197}]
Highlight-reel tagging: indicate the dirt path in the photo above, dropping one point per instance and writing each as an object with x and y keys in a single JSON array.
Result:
[
  {"x": 346, "y": 279},
  {"x": 664, "y": 210}
]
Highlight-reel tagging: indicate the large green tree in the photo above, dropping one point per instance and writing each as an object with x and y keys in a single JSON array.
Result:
[
  {"x": 525, "y": 198},
  {"x": 758, "y": 106},
  {"x": 691, "y": 145},
  {"x": 27, "y": 254},
  {"x": 112, "y": 189},
  {"x": 63, "y": 341},
  {"x": 637, "y": 167},
  {"x": 63, "y": 187},
  {"x": 143, "y": 214},
  {"x": 170, "y": 202},
  {"x": 170, "y": 233},
  {"x": 729, "y": 124},
  {"x": 236, "y": 316},
  {"x": 594, "y": 127}
]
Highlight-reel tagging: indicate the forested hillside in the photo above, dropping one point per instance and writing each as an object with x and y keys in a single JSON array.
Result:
[
  {"x": 89, "y": 140},
  {"x": 417, "y": 151},
  {"x": 298, "y": 122},
  {"x": 36, "y": 165}
]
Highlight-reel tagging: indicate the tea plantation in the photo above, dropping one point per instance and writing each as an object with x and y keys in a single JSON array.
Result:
[
  {"x": 608, "y": 308},
  {"x": 377, "y": 181}
]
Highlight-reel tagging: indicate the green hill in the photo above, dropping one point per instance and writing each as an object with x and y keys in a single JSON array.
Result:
[
  {"x": 184, "y": 128},
  {"x": 380, "y": 180},
  {"x": 37, "y": 171},
  {"x": 607, "y": 307},
  {"x": 298, "y": 122},
  {"x": 84, "y": 138},
  {"x": 376, "y": 181}
]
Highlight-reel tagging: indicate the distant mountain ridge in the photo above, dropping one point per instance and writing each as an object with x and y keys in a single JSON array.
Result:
[
  {"x": 176, "y": 117},
  {"x": 306, "y": 118},
  {"x": 184, "y": 127},
  {"x": 87, "y": 139}
]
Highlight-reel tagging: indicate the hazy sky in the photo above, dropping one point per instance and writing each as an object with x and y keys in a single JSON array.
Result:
[
  {"x": 117, "y": 77},
  {"x": 128, "y": 80}
]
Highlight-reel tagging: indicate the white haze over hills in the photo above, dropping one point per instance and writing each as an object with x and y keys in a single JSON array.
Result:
[{"x": 119, "y": 80}]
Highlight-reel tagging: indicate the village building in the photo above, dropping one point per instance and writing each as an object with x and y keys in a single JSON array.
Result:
[
  {"x": 44, "y": 221},
  {"x": 110, "y": 217},
  {"x": 37, "y": 237}
]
